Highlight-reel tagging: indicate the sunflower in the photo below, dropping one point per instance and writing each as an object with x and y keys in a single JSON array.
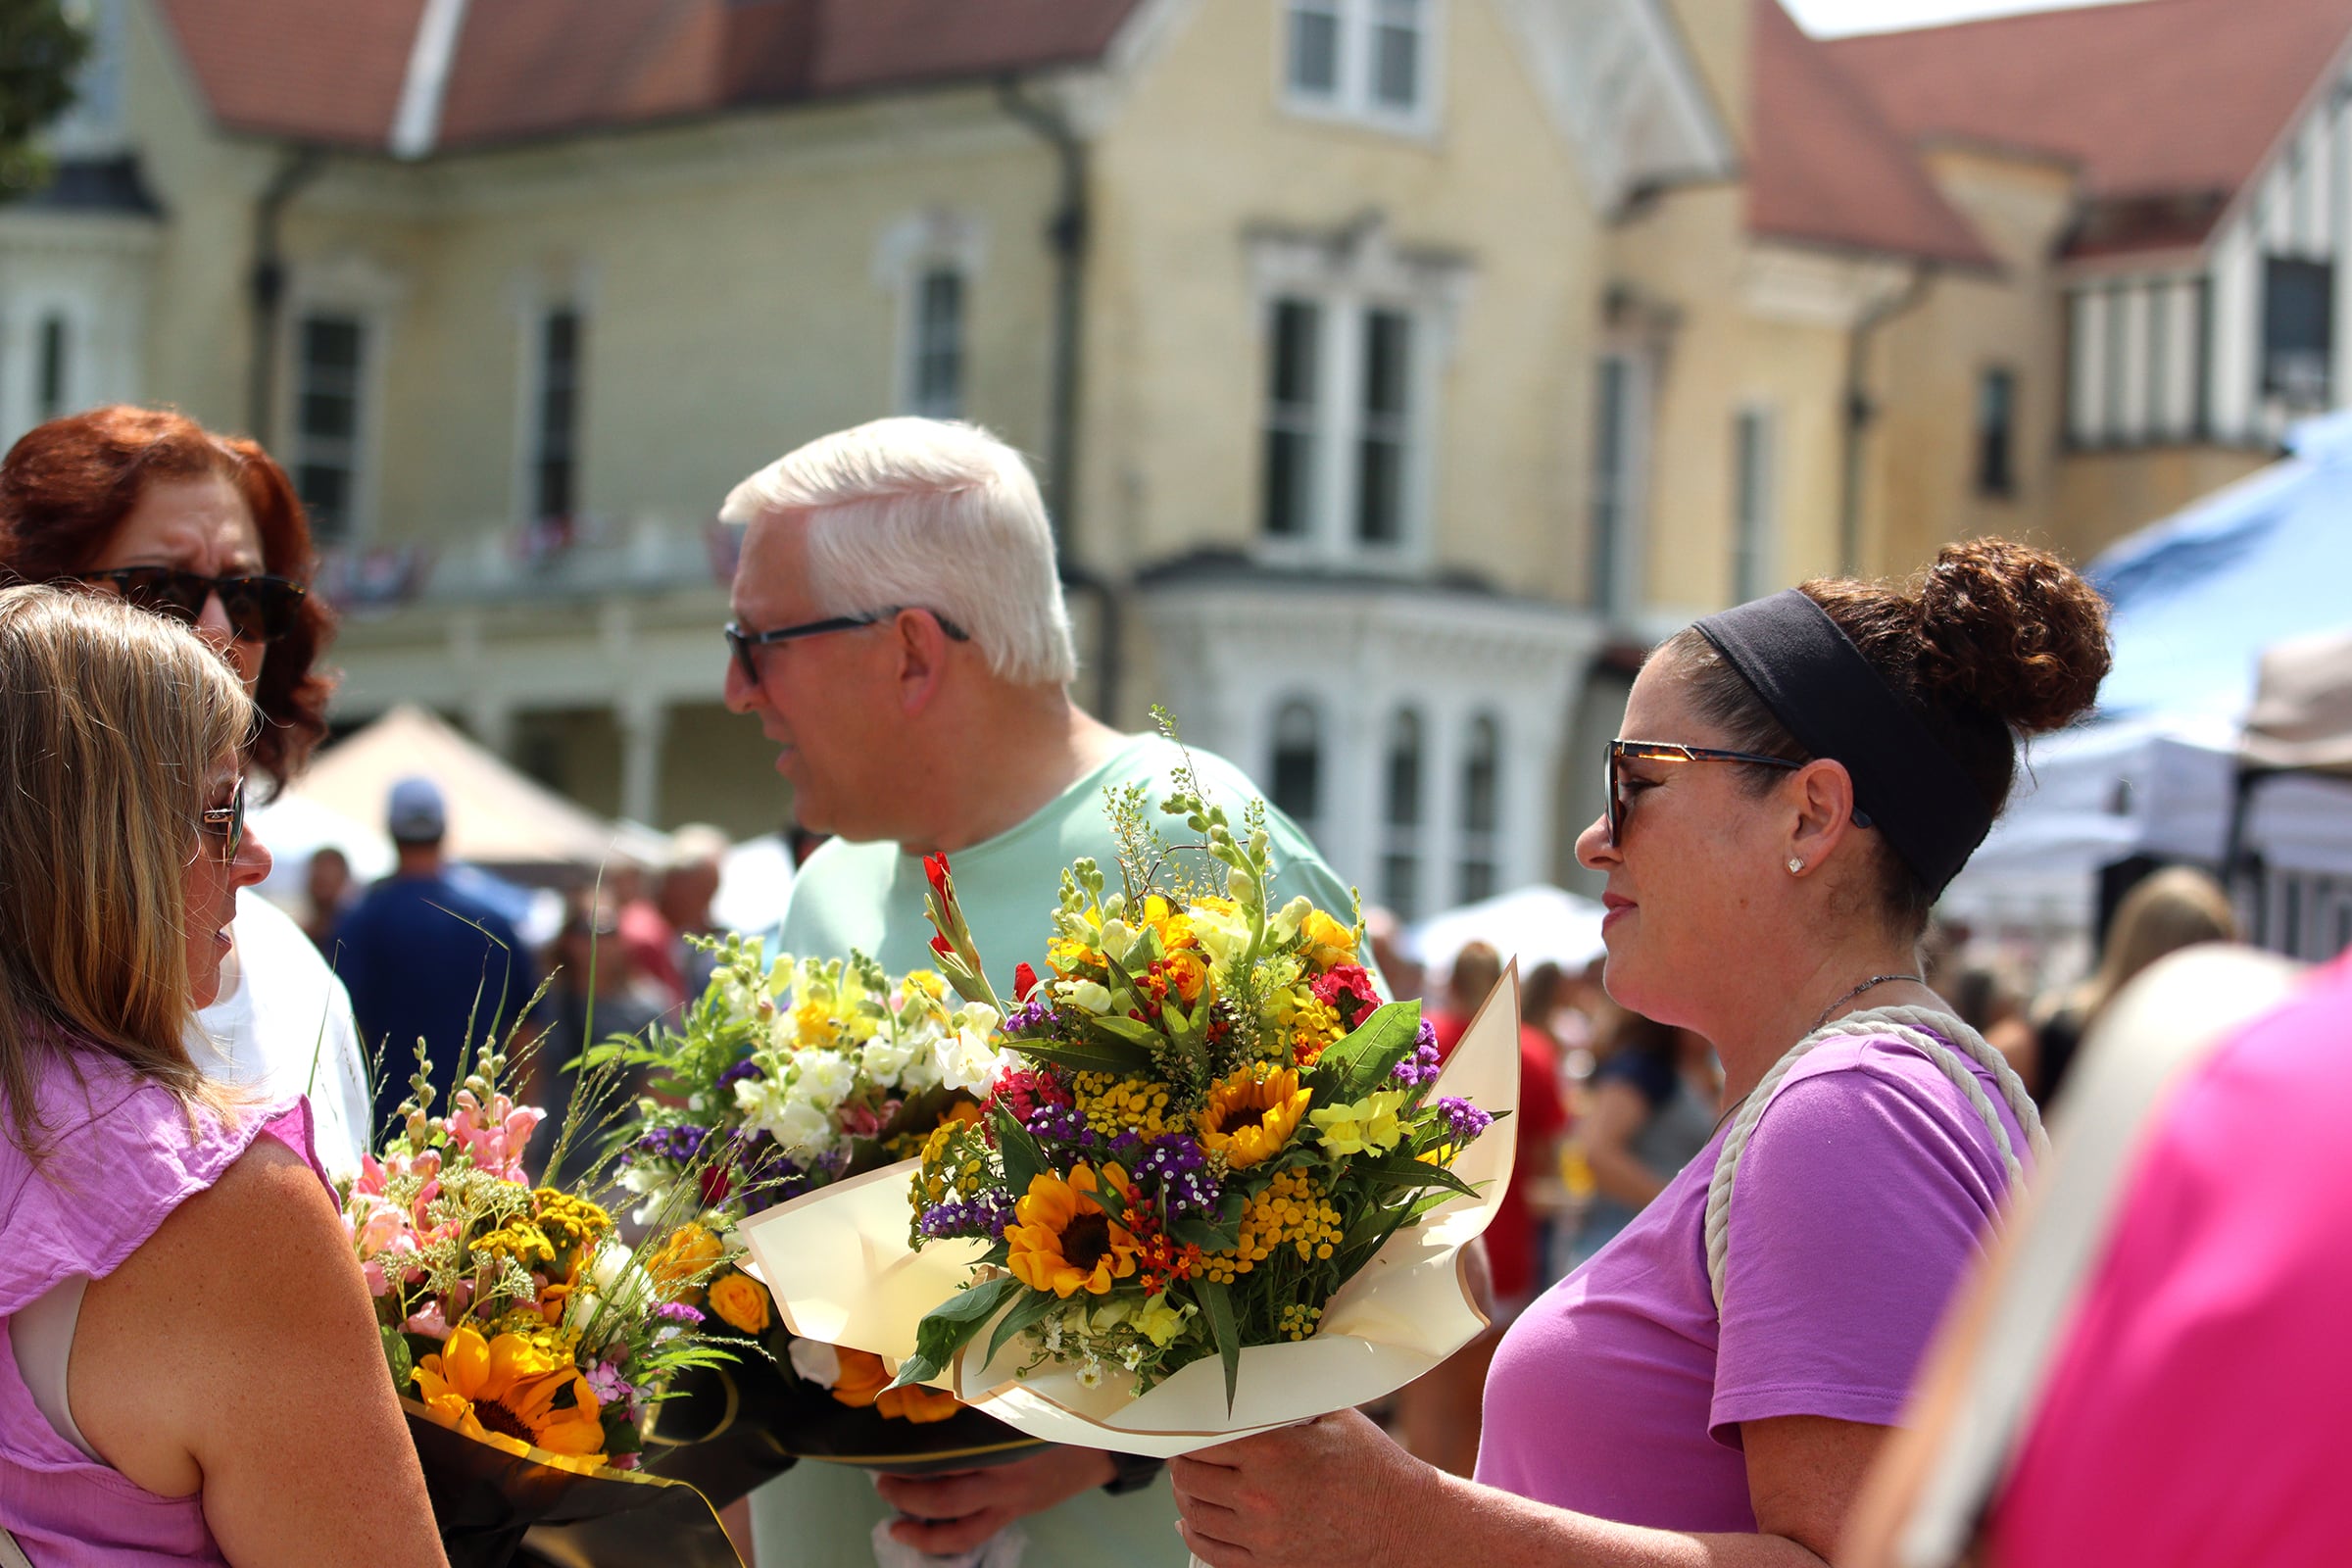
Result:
[
  {"x": 1065, "y": 1241},
  {"x": 508, "y": 1388},
  {"x": 1251, "y": 1114}
]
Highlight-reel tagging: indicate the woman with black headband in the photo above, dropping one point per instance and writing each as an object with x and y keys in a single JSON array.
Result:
[
  {"x": 205, "y": 530},
  {"x": 1795, "y": 782}
]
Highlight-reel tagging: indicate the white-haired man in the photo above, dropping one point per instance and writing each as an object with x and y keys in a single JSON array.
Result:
[{"x": 900, "y": 633}]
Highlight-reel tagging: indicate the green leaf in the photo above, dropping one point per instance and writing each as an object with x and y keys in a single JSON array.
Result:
[
  {"x": 1399, "y": 1170},
  {"x": 396, "y": 1355},
  {"x": 949, "y": 1326},
  {"x": 1361, "y": 1063},
  {"x": 1219, "y": 1301},
  {"x": 1024, "y": 1161},
  {"x": 1104, "y": 1053},
  {"x": 1121, "y": 1028},
  {"x": 1214, "y": 1235},
  {"x": 1030, "y": 1310}
]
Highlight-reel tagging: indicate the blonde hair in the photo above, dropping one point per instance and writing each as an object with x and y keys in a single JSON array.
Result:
[
  {"x": 928, "y": 513},
  {"x": 111, "y": 722},
  {"x": 2176, "y": 908}
]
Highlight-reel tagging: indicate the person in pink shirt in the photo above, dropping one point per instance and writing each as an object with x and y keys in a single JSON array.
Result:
[
  {"x": 1797, "y": 779},
  {"x": 189, "y": 1366}
]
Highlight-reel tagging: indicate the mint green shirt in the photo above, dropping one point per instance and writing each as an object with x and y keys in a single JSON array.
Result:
[{"x": 868, "y": 898}]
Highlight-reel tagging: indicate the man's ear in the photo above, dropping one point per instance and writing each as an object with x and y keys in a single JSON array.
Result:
[
  {"x": 1824, "y": 796},
  {"x": 922, "y": 653}
]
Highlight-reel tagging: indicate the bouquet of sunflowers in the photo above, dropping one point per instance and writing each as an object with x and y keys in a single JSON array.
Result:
[
  {"x": 529, "y": 1344},
  {"x": 782, "y": 1077},
  {"x": 1215, "y": 1185}
]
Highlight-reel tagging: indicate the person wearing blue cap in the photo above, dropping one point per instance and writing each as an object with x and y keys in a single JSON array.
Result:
[{"x": 425, "y": 958}]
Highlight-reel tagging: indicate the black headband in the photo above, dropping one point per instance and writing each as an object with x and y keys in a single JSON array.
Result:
[{"x": 1838, "y": 705}]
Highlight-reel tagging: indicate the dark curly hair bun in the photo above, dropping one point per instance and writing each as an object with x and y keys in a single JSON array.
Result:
[{"x": 2011, "y": 632}]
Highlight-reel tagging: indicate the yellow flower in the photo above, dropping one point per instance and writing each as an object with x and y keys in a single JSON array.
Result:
[
  {"x": 1186, "y": 974},
  {"x": 1251, "y": 1114},
  {"x": 1369, "y": 1124},
  {"x": 1325, "y": 942},
  {"x": 1175, "y": 928},
  {"x": 1160, "y": 1322},
  {"x": 680, "y": 1262},
  {"x": 510, "y": 1388},
  {"x": 865, "y": 1381},
  {"x": 1065, "y": 1242},
  {"x": 926, "y": 983},
  {"x": 738, "y": 1298}
]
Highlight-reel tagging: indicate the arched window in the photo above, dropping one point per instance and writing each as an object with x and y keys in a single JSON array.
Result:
[
  {"x": 1298, "y": 765},
  {"x": 1400, "y": 854},
  {"x": 1481, "y": 808}
]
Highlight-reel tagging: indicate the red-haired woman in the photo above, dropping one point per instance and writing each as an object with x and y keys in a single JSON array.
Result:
[{"x": 204, "y": 529}]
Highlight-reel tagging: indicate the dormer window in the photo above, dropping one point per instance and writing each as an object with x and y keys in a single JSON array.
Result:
[{"x": 1360, "y": 59}]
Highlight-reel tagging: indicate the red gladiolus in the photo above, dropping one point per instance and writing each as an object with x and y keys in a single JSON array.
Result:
[
  {"x": 1024, "y": 981},
  {"x": 942, "y": 946},
  {"x": 935, "y": 867}
]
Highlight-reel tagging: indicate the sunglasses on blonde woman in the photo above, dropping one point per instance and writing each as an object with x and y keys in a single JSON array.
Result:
[{"x": 226, "y": 823}]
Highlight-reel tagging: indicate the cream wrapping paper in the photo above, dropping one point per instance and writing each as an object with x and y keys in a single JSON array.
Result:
[{"x": 840, "y": 1268}]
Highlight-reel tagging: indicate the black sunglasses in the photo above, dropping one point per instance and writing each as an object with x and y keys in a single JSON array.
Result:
[
  {"x": 260, "y": 608},
  {"x": 227, "y": 822},
  {"x": 747, "y": 644},
  {"x": 1673, "y": 752}
]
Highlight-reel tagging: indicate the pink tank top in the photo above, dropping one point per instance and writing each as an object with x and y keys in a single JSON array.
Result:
[{"x": 120, "y": 1159}]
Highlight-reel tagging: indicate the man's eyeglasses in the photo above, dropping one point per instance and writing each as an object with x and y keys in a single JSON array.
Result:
[
  {"x": 226, "y": 823},
  {"x": 261, "y": 609},
  {"x": 747, "y": 644}
]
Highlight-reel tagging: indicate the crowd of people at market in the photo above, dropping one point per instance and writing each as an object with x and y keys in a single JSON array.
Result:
[{"x": 1790, "y": 1270}]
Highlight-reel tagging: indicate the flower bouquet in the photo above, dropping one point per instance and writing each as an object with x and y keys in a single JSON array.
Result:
[
  {"x": 782, "y": 1077},
  {"x": 529, "y": 1345},
  {"x": 1217, "y": 1186}
]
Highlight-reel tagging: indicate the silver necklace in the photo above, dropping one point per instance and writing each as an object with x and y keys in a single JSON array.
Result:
[{"x": 1874, "y": 980}]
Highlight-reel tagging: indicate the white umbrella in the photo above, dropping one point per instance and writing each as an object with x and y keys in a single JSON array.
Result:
[{"x": 1533, "y": 924}]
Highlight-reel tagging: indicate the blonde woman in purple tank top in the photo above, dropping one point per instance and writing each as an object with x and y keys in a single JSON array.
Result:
[
  {"x": 1795, "y": 781},
  {"x": 188, "y": 1365}
]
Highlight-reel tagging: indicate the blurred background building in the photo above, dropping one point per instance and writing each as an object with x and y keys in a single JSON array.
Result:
[{"x": 1399, "y": 370}]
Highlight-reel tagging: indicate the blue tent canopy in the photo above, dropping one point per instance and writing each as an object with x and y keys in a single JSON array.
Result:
[{"x": 2199, "y": 595}]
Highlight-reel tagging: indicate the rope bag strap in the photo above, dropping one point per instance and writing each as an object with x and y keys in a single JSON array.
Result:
[{"x": 1912, "y": 1026}]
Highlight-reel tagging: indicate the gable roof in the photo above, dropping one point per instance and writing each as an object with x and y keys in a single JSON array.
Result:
[
  {"x": 333, "y": 70},
  {"x": 2154, "y": 98},
  {"x": 1825, "y": 168}
]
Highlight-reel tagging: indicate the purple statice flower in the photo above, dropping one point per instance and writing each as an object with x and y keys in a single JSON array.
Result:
[
  {"x": 1032, "y": 1017},
  {"x": 1060, "y": 1124},
  {"x": 1177, "y": 1167},
  {"x": 682, "y": 1142},
  {"x": 763, "y": 1176},
  {"x": 1124, "y": 1146},
  {"x": 746, "y": 1068},
  {"x": 1463, "y": 1120},
  {"x": 678, "y": 1312},
  {"x": 983, "y": 1214},
  {"x": 1421, "y": 1067}
]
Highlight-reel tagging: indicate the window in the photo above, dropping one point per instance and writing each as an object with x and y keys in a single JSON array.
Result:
[
  {"x": 1481, "y": 791},
  {"x": 1400, "y": 856},
  {"x": 1386, "y": 427},
  {"x": 1298, "y": 770},
  {"x": 331, "y": 358},
  {"x": 2298, "y": 330},
  {"x": 555, "y": 465},
  {"x": 1996, "y": 434},
  {"x": 1376, "y": 420},
  {"x": 1752, "y": 502},
  {"x": 1290, "y": 418},
  {"x": 53, "y": 375},
  {"x": 1616, "y": 456},
  {"x": 1368, "y": 59},
  {"x": 936, "y": 378}
]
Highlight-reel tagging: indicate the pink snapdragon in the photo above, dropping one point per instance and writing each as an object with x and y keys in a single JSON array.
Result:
[{"x": 493, "y": 1136}]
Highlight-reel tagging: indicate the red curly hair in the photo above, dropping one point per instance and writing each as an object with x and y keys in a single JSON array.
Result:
[{"x": 67, "y": 486}]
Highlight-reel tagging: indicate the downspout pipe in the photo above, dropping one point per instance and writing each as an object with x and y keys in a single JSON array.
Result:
[
  {"x": 266, "y": 285},
  {"x": 1859, "y": 412},
  {"x": 1066, "y": 235}
]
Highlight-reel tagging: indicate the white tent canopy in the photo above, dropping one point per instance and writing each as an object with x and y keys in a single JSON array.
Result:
[
  {"x": 1533, "y": 924},
  {"x": 496, "y": 816}
]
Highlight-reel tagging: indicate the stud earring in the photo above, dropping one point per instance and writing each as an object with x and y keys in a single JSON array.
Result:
[{"x": 1796, "y": 865}]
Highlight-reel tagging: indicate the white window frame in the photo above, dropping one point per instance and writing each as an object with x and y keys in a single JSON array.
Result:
[
  {"x": 1352, "y": 99},
  {"x": 1404, "y": 840},
  {"x": 1753, "y": 493},
  {"x": 1363, "y": 274},
  {"x": 910, "y": 249},
  {"x": 1620, "y": 572},
  {"x": 1318, "y": 716},
  {"x": 364, "y": 290},
  {"x": 1481, "y": 846}
]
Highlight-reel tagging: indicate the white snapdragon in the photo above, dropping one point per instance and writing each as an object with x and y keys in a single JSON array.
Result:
[
  {"x": 823, "y": 1077},
  {"x": 1087, "y": 994},
  {"x": 883, "y": 1059}
]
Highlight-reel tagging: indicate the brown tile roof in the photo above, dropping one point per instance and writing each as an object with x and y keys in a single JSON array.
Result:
[
  {"x": 2159, "y": 97},
  {"x": 332, "y": 69},
  {"x": 324, "y": 71},
  {"x": 1824, "y": 168}
]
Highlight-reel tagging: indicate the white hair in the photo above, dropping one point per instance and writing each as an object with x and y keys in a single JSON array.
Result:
[{"x": 927, "y": 513}]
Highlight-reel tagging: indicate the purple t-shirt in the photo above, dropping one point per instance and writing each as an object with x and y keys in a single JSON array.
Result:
[{"x": 1861, "y": 1199}]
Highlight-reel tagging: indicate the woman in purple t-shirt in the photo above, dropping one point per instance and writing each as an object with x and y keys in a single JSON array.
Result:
[{"x": 1798, "y": 780}]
